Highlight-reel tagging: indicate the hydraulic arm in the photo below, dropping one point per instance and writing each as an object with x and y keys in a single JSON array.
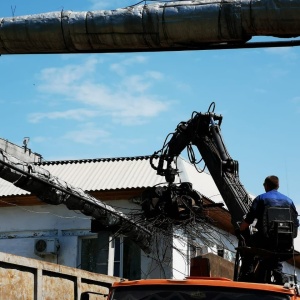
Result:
[{"x": 203, "y": 131}]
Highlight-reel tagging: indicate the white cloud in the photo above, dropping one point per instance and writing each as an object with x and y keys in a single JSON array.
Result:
[
  {"x": 120, "y": 67},
  {"x": 136, "y": 83},
  {"x": 88, "y": 134},
  {"x": 129, "y": 101},
  {"x": 146, "y": 108},
  {"x": 74, "y": 114},
  {"x": 155, "y": 75},
  {"x": 60, "y": 79}
]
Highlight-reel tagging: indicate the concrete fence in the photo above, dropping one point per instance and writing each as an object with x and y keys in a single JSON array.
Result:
[{"x": 29, "y": 279}]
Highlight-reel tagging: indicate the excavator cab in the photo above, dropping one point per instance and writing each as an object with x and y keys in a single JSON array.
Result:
[
  {"x": 280, "y": 228},
  {"x": 274, "y": 245}
]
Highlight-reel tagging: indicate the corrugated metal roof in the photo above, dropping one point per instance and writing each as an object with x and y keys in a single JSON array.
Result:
[
  {"x": 105, "y": 174},
  {"x": 97, "y": 174},
  {"x": 8, "y": 189}
]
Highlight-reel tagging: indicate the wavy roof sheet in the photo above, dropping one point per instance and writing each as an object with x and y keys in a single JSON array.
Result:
[{"x": 105, "y": 174}]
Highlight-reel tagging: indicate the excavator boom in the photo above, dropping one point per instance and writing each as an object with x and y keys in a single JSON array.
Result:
[{"x": 203, "y": 131}]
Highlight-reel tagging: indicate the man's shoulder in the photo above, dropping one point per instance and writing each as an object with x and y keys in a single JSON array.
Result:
[
  {"x": 264, "y": 196},
  {"x": 275, "y": 195}
]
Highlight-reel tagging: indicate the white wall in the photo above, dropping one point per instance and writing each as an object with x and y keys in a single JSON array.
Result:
[
  {"x": 20, "y": 226},
  {"x": 181, "y": 265}
]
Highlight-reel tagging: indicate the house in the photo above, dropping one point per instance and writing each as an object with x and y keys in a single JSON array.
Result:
[{"x": 54, "y": 233}]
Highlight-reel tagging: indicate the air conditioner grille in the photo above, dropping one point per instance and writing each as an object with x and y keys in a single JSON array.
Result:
[{"x": 46, "y": 246}]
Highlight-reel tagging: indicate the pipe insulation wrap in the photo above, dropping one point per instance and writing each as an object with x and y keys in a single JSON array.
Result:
[
  {"x": 167, "y": 25},
  {"x": 278, "y": 18},
  {"x": 52, "y": 190}
]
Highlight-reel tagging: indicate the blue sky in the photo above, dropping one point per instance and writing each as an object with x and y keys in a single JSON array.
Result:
[{"x": 115, "y": 105}]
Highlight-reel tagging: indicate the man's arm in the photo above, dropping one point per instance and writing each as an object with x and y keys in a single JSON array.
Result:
[
  {"x": 244, "y": 225},
  {"x": 251, "y": 215}
]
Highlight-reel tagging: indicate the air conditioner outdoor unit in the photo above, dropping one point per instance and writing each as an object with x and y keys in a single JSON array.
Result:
[{"x": 46, "y": 246}]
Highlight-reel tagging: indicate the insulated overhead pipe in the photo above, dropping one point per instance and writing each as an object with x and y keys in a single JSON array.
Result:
[
  {"x": 159, "y": 26},
  {"x": 50, "y": 189}
]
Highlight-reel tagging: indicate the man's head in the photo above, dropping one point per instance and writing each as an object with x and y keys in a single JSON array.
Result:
[{"x": 271, "y": 183}]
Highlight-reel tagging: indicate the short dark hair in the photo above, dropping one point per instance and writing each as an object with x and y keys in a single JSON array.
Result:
[{"x": 272, "y": 182}]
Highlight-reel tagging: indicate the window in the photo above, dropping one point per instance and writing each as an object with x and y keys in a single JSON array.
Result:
[
  {"x": 117, "y": 245},
  {"x": 94, "y": 254},
  {"x": 117, "y": 257},
  {"x": 131, "y": 260}
]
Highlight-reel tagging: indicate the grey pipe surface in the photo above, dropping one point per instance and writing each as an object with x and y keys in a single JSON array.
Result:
[{"x": 157, "y": 26}]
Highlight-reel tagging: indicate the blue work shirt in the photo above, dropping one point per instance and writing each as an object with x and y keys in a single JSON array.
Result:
[{"x": 271, "y": 199}]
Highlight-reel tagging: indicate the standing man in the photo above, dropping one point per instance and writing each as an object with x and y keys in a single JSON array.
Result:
[{"x": 271, "y": 198}]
